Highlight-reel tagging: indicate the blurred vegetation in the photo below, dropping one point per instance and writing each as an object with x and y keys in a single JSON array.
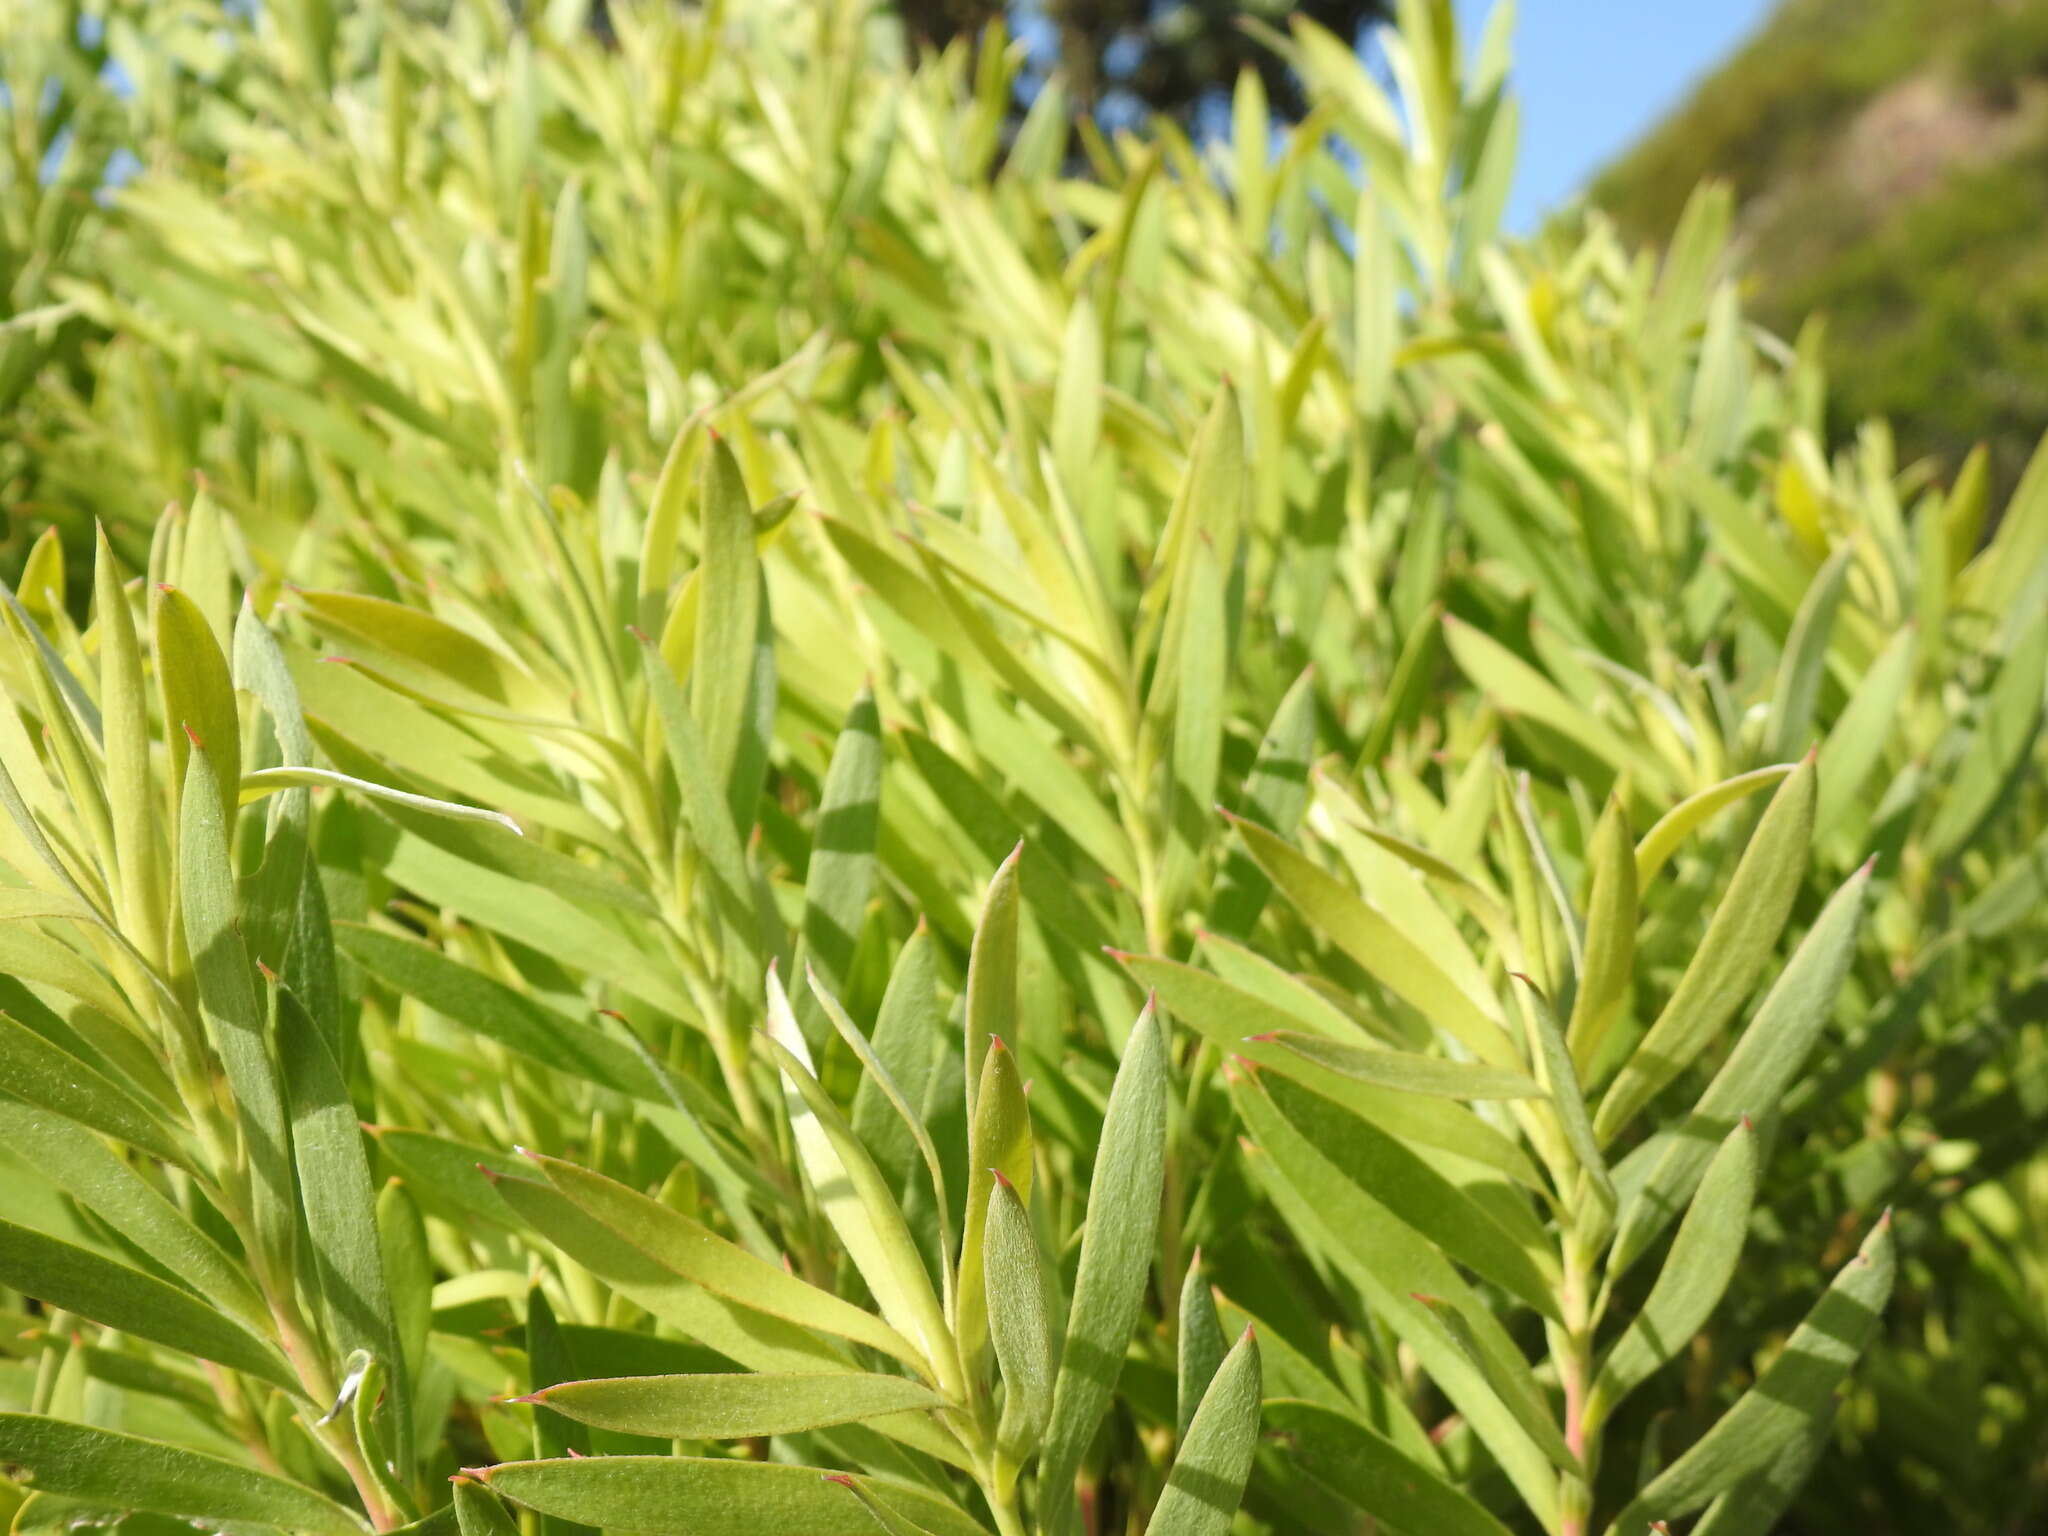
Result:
[{"x": 1890, "y": 158}]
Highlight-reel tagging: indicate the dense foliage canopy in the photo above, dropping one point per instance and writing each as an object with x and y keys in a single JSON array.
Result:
[{"x": 734, "y": 804}]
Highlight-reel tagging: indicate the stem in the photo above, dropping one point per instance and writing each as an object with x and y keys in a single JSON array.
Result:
[{"x": 1574, "y": 1354}]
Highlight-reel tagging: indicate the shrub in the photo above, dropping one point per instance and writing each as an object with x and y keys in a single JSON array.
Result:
[{"x": 629, "y": 919}]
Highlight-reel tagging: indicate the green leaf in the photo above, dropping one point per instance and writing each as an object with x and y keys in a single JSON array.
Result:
[
  {"x": 999, "y": 1145},
  {"x": 732, "y": 1407},
  {"x": 1998, "y": 750},
  {"x": 688, "y": 1495},
  {"x": 478, "y": 1512},
  {"x": 991, "y": 997},
  {"x": 1392, "y": 1264},
  {"x": 234, "y": 1017},
  {"x": 1695, "y": 1274},
  {"x": 61, "y": 1274},
  {"x": 705, "y": 810},
  {"x": 1738, "y": 943},
  {"x": 724, "y": 670},
  {"x": 1017, "y": 1322},
  {"x": 1215, "y": 1458},
  {"x": 78, "y": 1162},
  {"x": 1407, "y": 1186},
  {"x": 1197, "y": 730},
  {"x": 1275, "y": 794},
  {"x": 496, "y": 1011},
  {"x": 1792, "y": 1393},
  {"x": 842, "y": 867},
  {"x": 1372, "y": 1472},
  {"x": 129, "y": 1472},
  {"x": 1513, "y": 1384},
  {"x": 1610, "y": 938},
  {"x": 41, "y": 1074},
  {"x": 1116, "y": 1257},
  {"x": 1683, "y": 819},
  {"x": 1755, "y": 1076},
  {"x": 1404, "y": 1071},
  {"x": 1201, "y": 1345},
  {"x": 1518, "y": 689},
  {"x": 905, "y": 1044},
  {"x": 340, "y": 1205},
  {"x": 1870, "y": 719},
  {"x": 857, "y": 1201},
  {"x": 1382, "y": 949},
  {"x": 198, "y": 698},
  {"x": 1802, "y": 666},
  {"x": 1221, "y": 1012},
  {"x": 875, "y": 1074},
  {"x": 693, "y": 1252},
  {"x": 270, "y": 781},
  {"x": 1566, "y": 1096},
  {"x": 132, "y": 796}
]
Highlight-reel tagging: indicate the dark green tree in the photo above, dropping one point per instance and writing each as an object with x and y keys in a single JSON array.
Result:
[{"x": 1163, "y": 55}]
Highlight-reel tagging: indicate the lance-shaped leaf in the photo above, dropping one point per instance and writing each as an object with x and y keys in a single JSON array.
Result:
[
  {"x": 1197, "y": 726},
  {"x": 1802, "y": 666},
  {"x": 1610, "y": 938},
  {"x": 1794, "y": 1390},
  {"x": 1017, "y": 1322},
  {"x": 1391, "y": 1263},
  {"x": 130, "y": 1473},
  {"x": 198, "y": 698},
  {"x": 728, "y": 617},
  {"x": 857, "y": 1200},
  {"x": 1406, "y": 1185},
  {"x": 1694, "y": 1277},
  {"x": 1200, "y": 1345},
  {"x": 842, "y": 862},
  {"x": 906, "y": 1043},
  {"x": 756, "y": 1340},
  {"x": 1215, "y": 1458},
  {"x": 875, "y": 1075},
  {"x": 1116, "y": 1256},
  {"x": 1275, "y": 795},
  {"x": 548, "y": 1362},
  {"x": 1566, "y": 1097},
  {"x": 991, "y": 1001},
  {"x": 706, "y": 812},
  {"x": 1998, "y": 749},
  {"x": 40, "y": 1073},
  {"x": 227, "y": 1000},
  {"x": 687, "y": 1495},
  {"x": 998, "y": 1147},
  {"x": 1404, "y": 1071},
  {"x": 340, "y": 1204},
  {"x": 1690, "y": 814},
  {"x": 1754, "y": 1077},
  {"x": 80, "y": 1163},
  {"x": 735, "y": 1406},
  {"x": 61, "y": 1274},
  {"x": 1737, "y": 945},
  {"x": 478, "y": 1512},
  {"x": 132, "y": 796},
  {"x": 1870, "y": 719},
  {"x": 695, "y": 1253},
  {"x": 1513, "y": 1383},
  {"x": 1387, "y": 954},
  {"x": 1373, "y": 1473}
]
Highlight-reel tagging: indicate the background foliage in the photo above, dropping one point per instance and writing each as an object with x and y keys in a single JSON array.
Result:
[
  {"x": 1885, "y": 157},
  {"x": 859, "y": 546}
]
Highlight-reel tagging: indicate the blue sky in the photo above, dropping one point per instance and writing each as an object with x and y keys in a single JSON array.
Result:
[{"x": 1593, "y": 74}]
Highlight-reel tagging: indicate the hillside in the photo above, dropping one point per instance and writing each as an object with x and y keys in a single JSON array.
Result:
[{"x": 1891, "y": 160}]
